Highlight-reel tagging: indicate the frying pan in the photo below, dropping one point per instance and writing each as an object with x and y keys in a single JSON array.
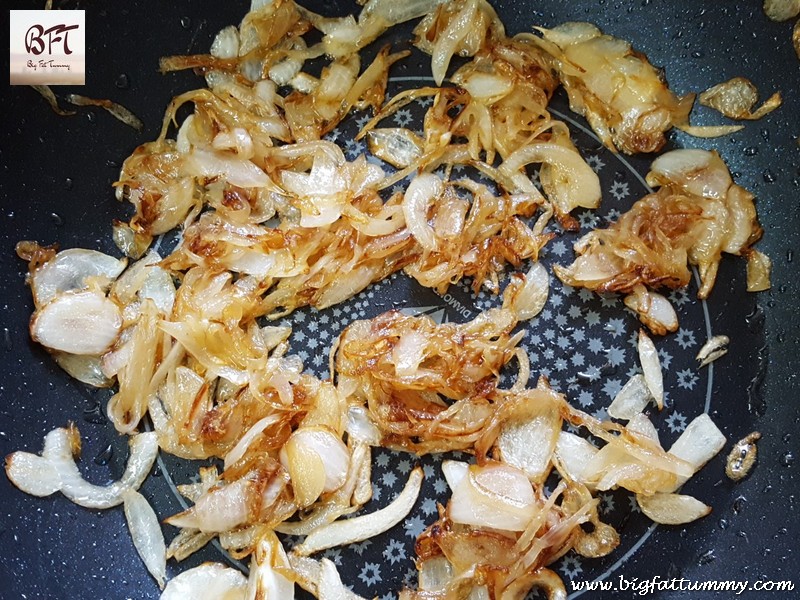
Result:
[{"x": 56, "y": 187}]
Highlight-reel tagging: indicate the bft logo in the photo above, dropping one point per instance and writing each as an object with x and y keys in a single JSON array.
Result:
[
  {"x": 57, "y": 34},
  {"x": 48, "y": 47}
]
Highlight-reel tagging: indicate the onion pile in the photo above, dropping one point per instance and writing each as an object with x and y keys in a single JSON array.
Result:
[
  {"x": 696, "y": 215},
  {"x": 274, "y": 217}
]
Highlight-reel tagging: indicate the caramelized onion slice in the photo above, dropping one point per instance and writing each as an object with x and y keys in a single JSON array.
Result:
[
  {"x": 47, "y": 94},
  {"x": 759, "y": 270},
  {"x": 742, "y": 457},
  {"x": 709, "y": 131},
  {"x": 118, "y": 111},
  {"x": 796, "y": 38},
  {"x": 736, "y": 98},
  {"x": 653, "y": 310}
]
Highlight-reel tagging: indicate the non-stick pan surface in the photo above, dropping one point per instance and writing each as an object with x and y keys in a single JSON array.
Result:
[{"x": 55, "y": 186}]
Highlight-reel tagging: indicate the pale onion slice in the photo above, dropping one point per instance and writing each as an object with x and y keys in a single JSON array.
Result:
[
  {"x": 398, "y": 147},
  {"x": 317, "y": 461},
  {"x": 348, "y": 285},
  {"x": 713, "y": 349},
  {"x": 234, "y": 170},
  {"x": 642, "y": 426},
  {"x": 361, "y": 427},
  {"x": 209, "y": 581},
  {"x": 408, "y": 353},
  {"x": 574, "y": 182},
  {"x": 71, "y": 270},
  {"x": 454, "y": 472},
  {"x": 448, "y": 40},
  {"x": 307, "y": 573},
  {"x": 238, "y": 451},
  {"x": 77, "y": 323},
  {"x": 759, "y": 269},
  {"x": 651, "y": 367},
  {"x": 486, "y": 87},
  {"x": 419, "y": 197},
  {"x": 692, "y": 170},
  {"x": 285, "y": 71},
  {"x": 434, "y": 574},
  {"x": 527, "y": 444},
  {"x": 527, "y": 294},
  {"x": 218, "y": 510},
  {"x": 148, "y": 538},
  {"x": 358, "y": 529},
  {"x": 32, "y": 474},
  {"x": 330, "y": 585},
  {"x": 58, "y": 449},
  {"x": 85, "y": 368},
  {"x": 572, "y": 454},
  {"x": 126, "y": 287},
  {"x": 394, "y": 12},
  {"x": 237, "y": 140},
  {"x": 653, "y": 310},
  {"x": 699, "y": 443},
  {"x": 631, "y": 399},
  {"x": 226, "y": 43},
  {"x": 672, "y": 509},
  {"x": 494, "y": 495},
  {"x": 265, "y": 581},
  {"x": 159, "y": 287}
]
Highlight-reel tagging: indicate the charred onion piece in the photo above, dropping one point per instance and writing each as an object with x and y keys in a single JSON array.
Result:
[
  {"x": 713, "y": 349},
  {"x": 742, "y": 457}
]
